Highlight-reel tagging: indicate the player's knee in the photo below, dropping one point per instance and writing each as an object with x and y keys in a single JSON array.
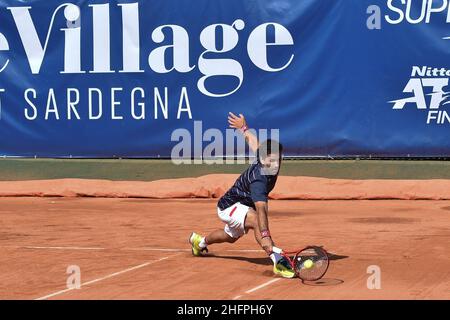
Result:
[
  {"x": 250, "y": 220},
  {"x": 232, "y": 240}
]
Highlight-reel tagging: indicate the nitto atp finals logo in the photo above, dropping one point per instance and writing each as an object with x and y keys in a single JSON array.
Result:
[{"x": 426, "y": 91}]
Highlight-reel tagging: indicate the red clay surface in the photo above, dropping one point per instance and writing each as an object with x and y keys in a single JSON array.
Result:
[{"x": 137, "y": 249}]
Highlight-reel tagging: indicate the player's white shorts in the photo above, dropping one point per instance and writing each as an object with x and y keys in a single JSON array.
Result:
[{"x": 234, "y": 219}]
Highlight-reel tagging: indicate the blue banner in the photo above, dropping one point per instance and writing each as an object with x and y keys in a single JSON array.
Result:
[{"x": 124, "y": 78}]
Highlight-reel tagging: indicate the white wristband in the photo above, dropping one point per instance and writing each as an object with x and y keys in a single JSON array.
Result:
[{"x": 277, "y": 250}]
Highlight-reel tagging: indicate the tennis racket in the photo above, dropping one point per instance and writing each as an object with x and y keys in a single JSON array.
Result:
[{"x": 310, "y": 263}]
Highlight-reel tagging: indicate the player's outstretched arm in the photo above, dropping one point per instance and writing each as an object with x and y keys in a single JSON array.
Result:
[
  {"x": 239, "y": 123},
  {"x": 263, "y": 226}
]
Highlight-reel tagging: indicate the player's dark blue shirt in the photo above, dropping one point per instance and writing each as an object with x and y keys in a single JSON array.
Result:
[{"x": 252, "y": 186}]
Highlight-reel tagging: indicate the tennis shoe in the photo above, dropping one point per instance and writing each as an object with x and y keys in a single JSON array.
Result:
[
  {"x": 195, "y": 240},
  {"x": 283, "y": 268}
]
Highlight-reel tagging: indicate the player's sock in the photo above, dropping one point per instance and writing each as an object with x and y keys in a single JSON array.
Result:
[{"x": 203, "y": 243}]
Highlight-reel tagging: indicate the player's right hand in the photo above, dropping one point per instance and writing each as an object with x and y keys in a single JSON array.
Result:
[
  {"x": 267, "y": 244},
  {"x": 236, "y": 122}
]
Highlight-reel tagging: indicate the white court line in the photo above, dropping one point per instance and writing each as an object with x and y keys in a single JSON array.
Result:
[
  {"x": 176, "y": 250},
  {"x": 64, "y": 248},
  {"x": 104, "y": 278},
  {"x": 124, "y": 249},
  {"x": 156, "y": 249},
  {"x": 54, "y": 248},
  {"x": 245, "y": 250},
  {"x": 265, "y": 284}
]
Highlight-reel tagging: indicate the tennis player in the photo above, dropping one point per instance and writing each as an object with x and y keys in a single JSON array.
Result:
[{"x": 244, "y": 206}]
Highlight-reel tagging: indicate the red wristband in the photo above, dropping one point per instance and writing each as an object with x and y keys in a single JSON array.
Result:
[
  {"x": 244, "y": 128},
  {"x": 265, "y": 234}
]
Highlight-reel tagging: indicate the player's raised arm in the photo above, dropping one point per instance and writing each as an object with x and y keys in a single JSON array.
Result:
[{"x": 240, "y": 124}]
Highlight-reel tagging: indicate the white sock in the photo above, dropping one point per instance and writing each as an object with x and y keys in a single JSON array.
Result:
[{"x": 202, "y": 243}]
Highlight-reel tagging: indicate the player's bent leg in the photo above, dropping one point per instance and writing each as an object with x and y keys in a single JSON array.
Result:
[
  {"x": 220, "y": 236},
  {"x": 200, "y": 244},
  {"x": 234, "y": 218},
  {"x": 251, "y": 222}
]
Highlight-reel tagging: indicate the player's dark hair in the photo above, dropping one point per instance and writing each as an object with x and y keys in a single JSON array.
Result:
[{"x": 269, "y": 147}]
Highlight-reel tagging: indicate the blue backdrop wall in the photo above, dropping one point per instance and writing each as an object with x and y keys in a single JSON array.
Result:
[{"x": 118, "y": 78}]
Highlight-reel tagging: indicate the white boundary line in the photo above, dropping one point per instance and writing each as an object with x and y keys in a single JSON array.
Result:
[
  {"x": 53, "y": 248},
  {"x": 64, "y": 248},
  {"x": 123, "y": 249},
  {"x": 156, "y": 249},
  {"x": 104, "y": 278},
  {"x": 188, "y": 250},
  {"x": 265, "y": 284},
  {"x": 245, "y": 250}
]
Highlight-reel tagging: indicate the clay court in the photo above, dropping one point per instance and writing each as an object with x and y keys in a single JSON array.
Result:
[{"x": 131, "y": 248}]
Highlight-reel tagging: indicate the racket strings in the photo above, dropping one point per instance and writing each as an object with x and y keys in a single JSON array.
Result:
[{"x": 311, "y": 264}]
